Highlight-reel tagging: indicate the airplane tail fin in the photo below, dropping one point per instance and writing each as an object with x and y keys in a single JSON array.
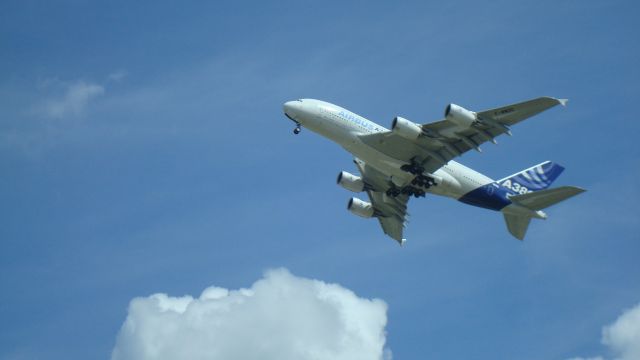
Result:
[
  {"x": 518, "y": 221},
  {"x": 535, "y": 178}
]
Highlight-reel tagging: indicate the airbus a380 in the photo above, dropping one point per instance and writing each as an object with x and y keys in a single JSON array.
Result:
[{"x": 413, "y": 160}]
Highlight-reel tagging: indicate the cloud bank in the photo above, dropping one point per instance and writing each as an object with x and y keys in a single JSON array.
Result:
[
  {"x": 280, "y": 317},
  {"x": 623, "y": 336}
]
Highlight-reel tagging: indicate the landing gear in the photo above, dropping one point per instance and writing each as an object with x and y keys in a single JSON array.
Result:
[
  {"x": 393, "y": 191},
  {"x": 298, "y": 127},
  {"x": 423, "y": 181},
  {"x": 407, "y": 190},
  {"x": 418, "y": 185},
  {"x": 420, "y": 180},
  {"x": 413, "y": 168}
]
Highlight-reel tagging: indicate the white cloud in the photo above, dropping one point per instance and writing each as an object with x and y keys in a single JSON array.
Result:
[
  {"x": 74, "y": 100},
  {"x": 280, "y": 317},
  {"x": 622, "y": 337}
]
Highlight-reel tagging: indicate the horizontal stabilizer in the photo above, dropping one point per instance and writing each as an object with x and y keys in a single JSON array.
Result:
[
  {"x": 517, "y": 224},
  {"x": 544, "y": 198}
]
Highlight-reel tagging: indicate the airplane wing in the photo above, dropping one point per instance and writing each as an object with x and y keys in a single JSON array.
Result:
[
  {"x": 444, "y": 140},
  {"x": 390, "y": 211}
]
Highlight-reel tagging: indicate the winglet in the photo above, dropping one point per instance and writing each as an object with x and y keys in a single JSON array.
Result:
[
  {"x": 402, "y": 241},
  {"x": 563, "y": 102}
]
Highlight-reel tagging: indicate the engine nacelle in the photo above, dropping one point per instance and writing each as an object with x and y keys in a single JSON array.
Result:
[
  {"x": 406, "y": 128},
  {"x": 460, "y": 116},
  {"x": 350, "y": 182},
  {"x": 361, "y": 208}
]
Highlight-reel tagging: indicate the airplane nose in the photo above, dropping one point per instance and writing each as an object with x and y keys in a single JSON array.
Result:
[
  {"x": 292, "y": 109},
  {"x": 288, "y": 107}
]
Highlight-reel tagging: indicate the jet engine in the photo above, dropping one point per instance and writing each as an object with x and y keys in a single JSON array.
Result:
[
  {"x": 361, "y": 208},
  {"x": 460, "y": 116},
  {"x": 406, "y": 128},
  {"x": 350, "y": 182}
]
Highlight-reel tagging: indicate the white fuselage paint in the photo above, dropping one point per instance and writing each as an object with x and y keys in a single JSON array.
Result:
[{"x": 344, "y": 127}]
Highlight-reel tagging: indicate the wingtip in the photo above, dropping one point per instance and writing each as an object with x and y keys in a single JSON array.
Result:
[
  {"x": 402, "y": 241},
  {"x": 579, "y": 190},
  {"x": 563, "y": 102}
]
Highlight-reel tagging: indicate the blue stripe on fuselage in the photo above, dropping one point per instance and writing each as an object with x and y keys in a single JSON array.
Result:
[{"x": 491, "y": 196}]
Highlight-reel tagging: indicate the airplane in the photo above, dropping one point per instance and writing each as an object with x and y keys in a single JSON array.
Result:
[{"x": 414, "y": 160}]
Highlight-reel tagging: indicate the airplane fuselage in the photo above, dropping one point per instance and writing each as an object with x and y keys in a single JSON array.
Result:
[
  {"x": 415, "y": 159},
  {"x": 344, "y": 127}
]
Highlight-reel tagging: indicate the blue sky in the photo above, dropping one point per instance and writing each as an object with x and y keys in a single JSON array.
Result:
[{"x": 144, "y": 150}]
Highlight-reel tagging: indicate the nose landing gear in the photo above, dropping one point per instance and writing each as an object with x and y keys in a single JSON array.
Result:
[{"x": 297, "y": 129}]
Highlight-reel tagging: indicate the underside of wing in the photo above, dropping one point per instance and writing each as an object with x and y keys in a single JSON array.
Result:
[
  {"x": 513, "y": 114},
  {"x": 433, "y": 145},
  {"x": 430, "y": 154},
  {"x": 391, "y": 211}
]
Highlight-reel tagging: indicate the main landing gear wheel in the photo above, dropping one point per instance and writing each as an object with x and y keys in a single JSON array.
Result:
[
  {"x": 297, "y": 130},
  {"x": 419, "y": 180},
  {"x": 413, "y": 168},
  {"x": 393, "y": 192},
  {"x": 423, "y": 181},
  {"x": 407, "y": 190}
]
